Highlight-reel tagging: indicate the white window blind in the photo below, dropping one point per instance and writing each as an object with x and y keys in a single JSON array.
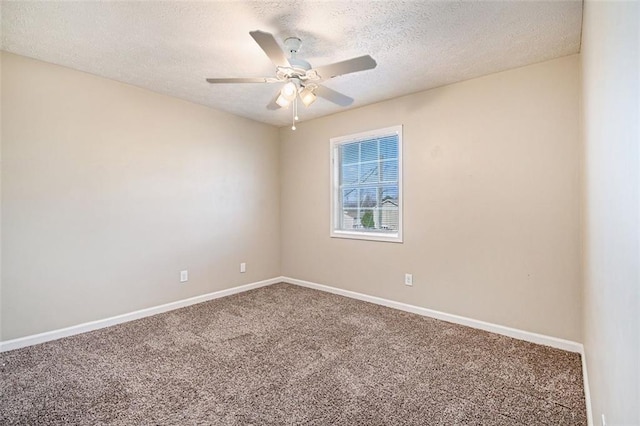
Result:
[{"x": 366, "y": 175}]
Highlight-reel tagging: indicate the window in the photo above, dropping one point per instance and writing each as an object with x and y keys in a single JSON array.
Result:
[{"x": 366, "y": 175}]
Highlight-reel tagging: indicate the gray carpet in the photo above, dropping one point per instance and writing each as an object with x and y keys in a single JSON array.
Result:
[{"x": 289, "y": 355}]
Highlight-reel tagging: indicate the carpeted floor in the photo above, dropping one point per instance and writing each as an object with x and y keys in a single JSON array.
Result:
[{"x": 289, "y": 355}]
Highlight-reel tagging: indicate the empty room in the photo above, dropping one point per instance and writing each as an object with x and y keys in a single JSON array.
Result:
[{"x": 320, "y": 212}]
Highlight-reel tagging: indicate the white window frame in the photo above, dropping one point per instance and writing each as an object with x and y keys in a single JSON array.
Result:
[{"x": 335, "y": 143}]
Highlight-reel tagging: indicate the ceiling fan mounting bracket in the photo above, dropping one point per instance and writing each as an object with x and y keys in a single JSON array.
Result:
[{"x": 293, "y": 44}]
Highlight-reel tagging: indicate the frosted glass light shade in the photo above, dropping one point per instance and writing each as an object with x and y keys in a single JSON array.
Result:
[
  {"x": 282, "y": 101},
  {"x": 307, "y": 96},
  {"x": 289, "y": 91}
]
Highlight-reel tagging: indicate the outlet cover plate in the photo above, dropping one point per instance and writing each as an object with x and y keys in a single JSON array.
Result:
[{"x": 408, "y": 279}]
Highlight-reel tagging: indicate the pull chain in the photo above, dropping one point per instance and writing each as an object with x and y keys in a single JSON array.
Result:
[{"x": 294, "y": 111}]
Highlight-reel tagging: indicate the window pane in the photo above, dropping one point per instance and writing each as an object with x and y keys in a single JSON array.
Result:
[
  {"x": 389, "y": 216},
  {"x": 389, "y": 193},
  {"x": 349, "y": 198},
  {"x": 369, "y": 173},
  {"x": 389, "y": 171},
  {"x": 369, "y": 151},
  {"x": 350, "y": 153},
  {"x": 389, "y": 147},
  {"x": 368, "y": 197},
  {"x": 349, "y": 219},
  {"x": 350, "y": 174},
  {"x": 367, "y": 219}
]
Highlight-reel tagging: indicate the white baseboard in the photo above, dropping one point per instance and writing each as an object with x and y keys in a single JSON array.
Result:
[
  {"x": 528, "y": 336},
  {"x": 118, "y": 319},
  {"x": 541, "y": 339},
  {"x": 587, "y": 392}
]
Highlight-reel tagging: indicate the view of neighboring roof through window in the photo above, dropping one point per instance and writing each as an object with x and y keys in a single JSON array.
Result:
[{"x": 367, "y": 188}]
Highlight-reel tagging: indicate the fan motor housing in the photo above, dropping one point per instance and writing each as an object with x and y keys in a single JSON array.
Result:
[{"x": 297, "y": 63}]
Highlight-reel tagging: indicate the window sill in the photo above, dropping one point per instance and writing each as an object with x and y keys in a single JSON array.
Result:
[{"x": 370, "y": 236}]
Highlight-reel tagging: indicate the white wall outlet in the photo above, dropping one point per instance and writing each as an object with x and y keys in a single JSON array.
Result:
[
  {"x": 243, "y": 267},
  {"x": 604, "y": 421},
  {"x": 408, "y": 279},
  {"x": 184, "y": 276}
]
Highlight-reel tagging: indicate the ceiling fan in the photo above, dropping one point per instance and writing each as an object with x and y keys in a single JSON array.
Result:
[{"x": 299, "y": 78}]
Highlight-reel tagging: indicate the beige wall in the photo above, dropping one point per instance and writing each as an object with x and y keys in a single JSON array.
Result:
[
  {"x": 108, "y": 191},
  {"x": 491, "y": 201},
  {"x": 610, "y": 64}
]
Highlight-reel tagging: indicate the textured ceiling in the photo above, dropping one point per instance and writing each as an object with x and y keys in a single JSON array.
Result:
[{"x": 171, "y": 47}]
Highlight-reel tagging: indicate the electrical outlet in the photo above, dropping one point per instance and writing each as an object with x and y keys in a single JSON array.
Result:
[
  {"x": 243, "y": 267},
  {"x": 408, "y": 279},
  {"x": 604, "y": 421},
  {"x": 184, "y": 276}
]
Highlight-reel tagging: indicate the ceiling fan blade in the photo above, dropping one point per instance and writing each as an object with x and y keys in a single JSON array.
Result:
[
  {"x": 360, "y": 63},
  {"x": 271, "y": 47},
  {"x": 243, "y": 80},
  {"x": 333, "y": 96}
]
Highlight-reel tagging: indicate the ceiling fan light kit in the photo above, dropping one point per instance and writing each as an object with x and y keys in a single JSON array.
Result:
[
  {"x": 299, "y": 78},
  {"x": 289, "y": 91},
  {"x": 282, "y": 101},
  {"x": 307, "y": 96}
]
